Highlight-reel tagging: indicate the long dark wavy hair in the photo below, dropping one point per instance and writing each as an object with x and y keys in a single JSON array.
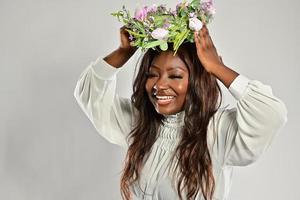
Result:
[{"x": 202, "y": 101}]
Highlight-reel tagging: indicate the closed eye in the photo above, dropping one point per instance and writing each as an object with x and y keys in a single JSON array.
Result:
[
  {"x": 179, "y": 77},
  {"x": 149, "y": 75}
]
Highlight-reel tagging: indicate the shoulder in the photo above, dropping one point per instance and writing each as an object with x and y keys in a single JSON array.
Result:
[{"x": 222, "y": 113}]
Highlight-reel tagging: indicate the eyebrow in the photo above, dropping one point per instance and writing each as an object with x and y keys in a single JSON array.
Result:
[{"x": 169, "y": 69}]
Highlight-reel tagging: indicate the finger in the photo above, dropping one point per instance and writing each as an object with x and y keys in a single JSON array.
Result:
[
  {"x": 221, "y": 58},
  {"x": 203, "y": 38},
  {"x": 197, "y": 41},
  {"x": 196, "y": 36},
  {"x": 205, "y": 28},
  {"x": 122, "y": 28},
  {"x": 206, "y": 36},
  {"x": 125, "y": 32},
  {"x": 209, "y": 40}
]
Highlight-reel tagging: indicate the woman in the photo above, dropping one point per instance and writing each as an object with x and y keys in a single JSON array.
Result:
[{"x": 180, "y": 143}]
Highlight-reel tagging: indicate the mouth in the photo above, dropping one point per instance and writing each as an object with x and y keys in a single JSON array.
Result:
[{"x": 164, "y": 100}]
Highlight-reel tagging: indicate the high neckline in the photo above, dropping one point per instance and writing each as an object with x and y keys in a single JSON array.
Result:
[{"x": 174, "y": 120}]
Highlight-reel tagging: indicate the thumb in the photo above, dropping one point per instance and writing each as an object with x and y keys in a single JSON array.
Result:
[{"x": 221, "y": 58}]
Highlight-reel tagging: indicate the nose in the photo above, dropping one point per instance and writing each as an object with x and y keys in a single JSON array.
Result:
[{"x": 161, "y": 84}]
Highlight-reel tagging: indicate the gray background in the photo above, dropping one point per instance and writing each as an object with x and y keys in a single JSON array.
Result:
[{"x": 49, "y": 149}]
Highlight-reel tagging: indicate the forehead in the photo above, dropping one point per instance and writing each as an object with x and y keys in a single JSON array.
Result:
[{"x": 167, "y": 61}]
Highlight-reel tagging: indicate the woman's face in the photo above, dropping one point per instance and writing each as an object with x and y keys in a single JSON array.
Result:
[{"x": 167, "y": 83}]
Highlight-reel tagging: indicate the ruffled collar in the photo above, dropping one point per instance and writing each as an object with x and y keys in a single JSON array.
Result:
[{"x": 174, "y": 120}]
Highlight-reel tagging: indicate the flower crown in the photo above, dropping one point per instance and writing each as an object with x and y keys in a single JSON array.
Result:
[{"x": 155, "y": 26}]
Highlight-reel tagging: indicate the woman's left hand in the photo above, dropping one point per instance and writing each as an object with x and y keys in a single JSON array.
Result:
[{"x": 206, "y": 51}]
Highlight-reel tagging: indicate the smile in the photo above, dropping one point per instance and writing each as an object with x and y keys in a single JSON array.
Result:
[{"x": 164, "y": 100}]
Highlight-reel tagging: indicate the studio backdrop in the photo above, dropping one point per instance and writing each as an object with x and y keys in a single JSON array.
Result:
[{"x": 48, "y": 147}]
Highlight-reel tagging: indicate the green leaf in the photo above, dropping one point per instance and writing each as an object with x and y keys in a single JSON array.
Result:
[
  {"x": 164, "y": 46},
  {"x": 136, "y": 34},
  {"x": 159, "y": 20},
  {"x": 195, "y": 3},
  {"x": 139, "y": 26},
  {"x": 137, "y": 42},
  {"x": 181, "y": 39},
  {"x": 153, "y": 43},
  {"x": 119, "y": 15}
]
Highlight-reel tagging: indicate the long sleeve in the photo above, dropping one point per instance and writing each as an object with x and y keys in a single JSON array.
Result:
[
  {"x": 95, "y": 92},
  {"x": 246, "y": 131}
]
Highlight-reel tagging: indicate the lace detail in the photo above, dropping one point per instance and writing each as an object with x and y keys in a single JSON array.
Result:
[{"x": 174, "y": 120}]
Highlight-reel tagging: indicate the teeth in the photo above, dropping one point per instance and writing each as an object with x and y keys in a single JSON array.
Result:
[{"x": 165, "y": 97}]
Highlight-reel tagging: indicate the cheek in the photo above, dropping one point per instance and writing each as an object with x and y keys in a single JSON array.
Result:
[
  {"x": 182, "y": 88},
  {"x": 148, "y": 86}
]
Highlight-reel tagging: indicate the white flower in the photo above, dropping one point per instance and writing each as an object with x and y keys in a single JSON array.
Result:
[
  {"x": 160, "y": 34},
  {"x": 192, "y": 14},
  {"x": 195, "y": 24}
]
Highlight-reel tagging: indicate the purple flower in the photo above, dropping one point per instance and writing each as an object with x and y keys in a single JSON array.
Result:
[
  {"x": 181, "y": 5},
  {"x": 162, "y": 8},
  {"x": 174, "y": 13},
  {"x": 141, "y": 14},
  {"x": 131, "y": 37},
  {"x": 160, "y": 34},
  {"x": 152, "y": 8},
  {"x": 166, "y": 25},
  {"x": 207, "y": 7},
  {"x": 211, "y": 10},
  {"x": 195, "y": 24}
]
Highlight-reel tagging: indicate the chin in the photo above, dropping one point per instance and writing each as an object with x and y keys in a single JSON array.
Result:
[{"x": 166, "y": 111}]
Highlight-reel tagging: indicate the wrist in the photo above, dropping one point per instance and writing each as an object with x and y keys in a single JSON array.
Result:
[
  {"x": 119, "y": 57},
  {"x": 127, "y": 51},
  {"x": 215, "y": 69}
]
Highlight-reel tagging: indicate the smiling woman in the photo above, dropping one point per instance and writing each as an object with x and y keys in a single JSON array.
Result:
[
  {"x": 180, "y": 144},
  {"x": 176, "y": 88},
  {"x": 167, "y": 83}
]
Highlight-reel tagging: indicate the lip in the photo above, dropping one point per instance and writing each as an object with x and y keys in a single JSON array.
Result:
[{"x": 164, "y": 102}]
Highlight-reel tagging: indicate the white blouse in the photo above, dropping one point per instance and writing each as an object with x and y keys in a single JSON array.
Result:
[{"x": 236, "y": 136}]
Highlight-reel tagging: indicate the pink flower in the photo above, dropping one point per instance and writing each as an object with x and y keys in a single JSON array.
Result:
[
  {"x": 141, "y": 14},
  {"x": 195, "y": 24},
  {"x": 160, "y": 34}
]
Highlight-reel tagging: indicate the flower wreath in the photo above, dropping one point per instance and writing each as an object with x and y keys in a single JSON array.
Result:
[{"x": 156, "y": 26}]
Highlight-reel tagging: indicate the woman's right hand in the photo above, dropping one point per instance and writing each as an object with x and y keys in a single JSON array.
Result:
[
  {"x": 121, "y": 55},
  {"x": 124, "y": 40}
]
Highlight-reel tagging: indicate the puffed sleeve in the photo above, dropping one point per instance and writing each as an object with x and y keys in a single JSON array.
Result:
[
  {"x": 95, "y": 92},
  {"x": 244, "y": 132}
]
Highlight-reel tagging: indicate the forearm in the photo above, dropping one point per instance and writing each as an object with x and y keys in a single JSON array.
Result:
[
  {"x": 224, "y": 74},
  {"x": 119, "y": 57}
]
